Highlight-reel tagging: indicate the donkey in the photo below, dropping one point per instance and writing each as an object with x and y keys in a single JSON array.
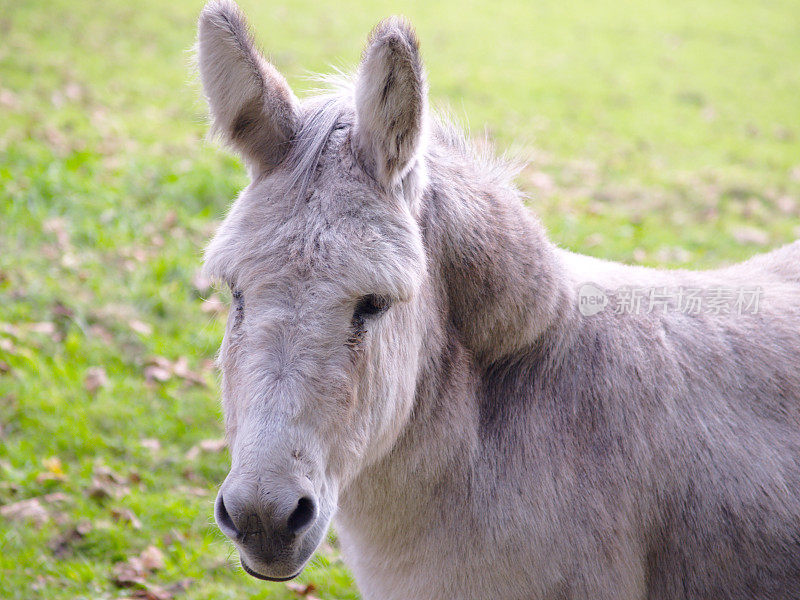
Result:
[{"x": 483, "y": 414}]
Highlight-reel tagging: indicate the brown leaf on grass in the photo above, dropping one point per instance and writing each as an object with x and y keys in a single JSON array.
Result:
[
  {"x": 151, "y": 444},
  {"x": 156, "y": 373},
  {"x": 162, "y": 369},
  {"x": 140, "y": 327},
  {"x": 126, "y": 515},
  {"x": 181, "y": 368},
  {"x": 43, "y": 327},
  {"x": 55, "y": 498},
  {"x": 214, "y": 445},
  {"x": 95, "y": 379},
  {"x": 128, "y": 573},
  {"x": 152, "y": 558},
  {"x": 101, "y": 332},
  {"x": 134, "y": 571},
  {"x": 155, "y": 592},
  {"x": 107, "y": 484},
  {"x": 4, "y": 366},
  {"x": 751, "y": 235},
  {"x": 62, "y": 310},
  {"x": 61, "y": 545},
  {"x": 150, "y": 592},
  {"x": 54, "y": 470},
  {"x": 25, "y": 510},
  {"x": 301, "y": 589}
]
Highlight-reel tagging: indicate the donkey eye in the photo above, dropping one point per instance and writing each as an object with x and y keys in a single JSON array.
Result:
[{"x": 369, "y": 306}]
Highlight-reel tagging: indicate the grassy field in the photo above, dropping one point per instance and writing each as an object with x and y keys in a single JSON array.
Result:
[{"x": 657, "y": 133}]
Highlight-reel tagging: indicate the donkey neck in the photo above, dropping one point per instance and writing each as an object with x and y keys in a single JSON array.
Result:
[{"x": 501, "y": 284}]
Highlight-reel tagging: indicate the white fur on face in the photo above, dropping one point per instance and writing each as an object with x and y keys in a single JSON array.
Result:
[{"x": 291, "y": 371}]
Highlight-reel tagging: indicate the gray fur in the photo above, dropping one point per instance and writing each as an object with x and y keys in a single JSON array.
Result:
[{"x": 482, "y": 438}]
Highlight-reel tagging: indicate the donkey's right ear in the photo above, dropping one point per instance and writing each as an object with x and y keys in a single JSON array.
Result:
[{"x": 252, "y": 106}]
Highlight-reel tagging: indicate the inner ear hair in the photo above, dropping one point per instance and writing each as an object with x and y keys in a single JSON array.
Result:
[
  {"x": 252, "y": 106},
  {"x": 391, "y": 101}
]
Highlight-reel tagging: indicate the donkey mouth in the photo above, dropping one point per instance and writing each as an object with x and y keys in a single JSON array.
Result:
[{"x": 257, "y": 575}]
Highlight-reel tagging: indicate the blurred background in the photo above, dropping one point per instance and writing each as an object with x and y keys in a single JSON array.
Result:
[{"x": 658, "y": 133}]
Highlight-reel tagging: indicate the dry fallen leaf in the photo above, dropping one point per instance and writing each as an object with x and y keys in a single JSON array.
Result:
[
  {"x": 140, "y": 327},
  {"x": 107, "y": 484},
  {"x": 154, "y": 592},
  {"x": 128, "y": 573},
  {"x": 151, "y": 444},
  {"x": 43, "y": 327},
  {"x": 62, "y": 544},
  {"x": 101, "y": 332},
  {"x": 215, "y": 445},
  {"x": 751, "y": 235},
  {"x": 133, "y": 571},
  {"x": 156, "y": 373},
  {"x": 54, "y": 470},
  {"x": 181, "y": 368},
  {"x": 162, "y": 369},
  {"x": 54, "y": 498},
  {"x": 25, "y": 510},
  {"x": 301, "y": 589},
  {"x": 150, "y": 592},
  {"x": 95, "y": 379},
  {"x": 152, "y": 558},
  {"x": 126, "y": 515}
]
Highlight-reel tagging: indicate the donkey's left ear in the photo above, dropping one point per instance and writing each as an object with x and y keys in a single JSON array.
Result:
[{"x": 391, "y": 101}]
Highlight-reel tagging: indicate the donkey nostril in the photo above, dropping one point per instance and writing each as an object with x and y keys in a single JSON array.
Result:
[
  {"x": 302, "y": 516},
  {"x": 226, "y": 524}
]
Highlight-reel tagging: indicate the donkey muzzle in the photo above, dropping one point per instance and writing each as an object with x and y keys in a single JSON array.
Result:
[{"x": 267, "y": 526}]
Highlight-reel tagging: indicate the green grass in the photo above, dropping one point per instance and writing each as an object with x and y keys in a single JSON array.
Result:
[{"x": 660, "y": 133}]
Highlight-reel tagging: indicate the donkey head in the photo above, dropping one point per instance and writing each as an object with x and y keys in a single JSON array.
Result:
[{"x": 325, "y": 261}]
